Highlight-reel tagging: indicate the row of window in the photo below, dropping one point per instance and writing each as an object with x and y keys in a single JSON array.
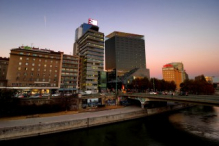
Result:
[
  {"x": 32, "y": 85},
  {"x": 34, "y": 59},
  {"x": 35, "y": 55},
  {"x": 38, "y": 69},
  {"x": 33, "y": 64},
  {"x": 38, "y": 80},
  {"x": 38, "y": 74}
]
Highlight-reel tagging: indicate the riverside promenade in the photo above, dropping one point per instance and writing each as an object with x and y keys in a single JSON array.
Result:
[{"x": 13, "y": 129}]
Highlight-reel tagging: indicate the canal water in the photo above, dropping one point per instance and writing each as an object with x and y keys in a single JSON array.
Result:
[{"x": 198, "y": 125}]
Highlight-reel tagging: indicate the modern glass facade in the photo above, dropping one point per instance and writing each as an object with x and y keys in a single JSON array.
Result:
[
  {"x": 90, "y": 48},
  {"x": 124, "y": 52}
]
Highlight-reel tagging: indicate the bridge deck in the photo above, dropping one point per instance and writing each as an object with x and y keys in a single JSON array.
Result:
[{"x": 211, "y": 100}]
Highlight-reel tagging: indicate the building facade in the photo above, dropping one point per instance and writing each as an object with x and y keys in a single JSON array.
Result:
[
  {"x": 124, "y": 52},
  {"x": 174, "y": 72},
  {"x": 90, "y": 48},
  {"x": 69, "y": 76},
  {"x": 3, "y": 71},
  {"x": 34, "y": 70}
]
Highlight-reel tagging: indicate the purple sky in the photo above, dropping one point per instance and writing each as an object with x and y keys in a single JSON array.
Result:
[{"x": 184, "y": 31}]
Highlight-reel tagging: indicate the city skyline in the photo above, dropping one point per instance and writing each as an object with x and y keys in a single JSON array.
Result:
[{"x": 174, "y": 31}]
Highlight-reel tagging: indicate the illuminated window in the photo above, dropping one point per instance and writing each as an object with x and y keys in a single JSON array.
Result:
[
  {"x": 44, "y": 65},
  {"x": 32, "y": 69},
  {"x": 25, "y": 68},
  {"x": 33, "y": 64},
  {"x": 27, "y": 58},
  {"x": 20, "y": 58},
  {"x": 26, "y": 63},
  {"x": 19, "y": 68},
  {"x": 20, "y": 63}
]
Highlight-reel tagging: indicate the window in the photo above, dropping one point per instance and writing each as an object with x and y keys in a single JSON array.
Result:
[
  {"x": 32, "y": 69},
  {"x": 34, "y": 59},
  {"x": 33, "y": 64},
  {"x": 39, "y": 60},
  {"x": 45, "y": 60},
  {"x": 39, "y": 64},
  {"x": 20, "y": 58},
  {"x": 27, "y": 58},
  {"x": 50, "y": 65},
  {"x": 38, "y": 69},
  {"x": 20, "y": 63},
  {"x": 44, "y": 69},
  {"x": 26, "y": 63},
  {"x": 25, "y": 68},
  {"x": 44, "y": 65},
  {"x": 19, "y": 68},
  {"x": 55, "y": 70}
]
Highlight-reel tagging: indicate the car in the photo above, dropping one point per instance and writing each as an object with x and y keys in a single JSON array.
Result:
[
  {"x": 19, "y": 96},
  {"x": 88, "y": 92},
  {"x": 153, "y": 92},
  {"x": 37, "y": 95},
  {"x": 67, "y": 94},
  {"x": 56, "y": 94},
  {"x": 45, "y": 94}
]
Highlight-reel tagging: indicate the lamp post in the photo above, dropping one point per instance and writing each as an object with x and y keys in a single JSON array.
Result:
[
  {"x": 116, "y": 82},
  {"x": 153, "y": 85}
]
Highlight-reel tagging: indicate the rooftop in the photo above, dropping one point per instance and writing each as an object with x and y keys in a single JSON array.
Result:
[{"x": 123, "y": 34}]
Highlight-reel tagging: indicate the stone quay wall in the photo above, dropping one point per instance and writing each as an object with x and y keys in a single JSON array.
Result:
[{"x": 7, "y": 133}]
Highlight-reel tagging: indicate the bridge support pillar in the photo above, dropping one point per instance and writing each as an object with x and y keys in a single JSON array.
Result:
[{"x": 142, "y": 106}]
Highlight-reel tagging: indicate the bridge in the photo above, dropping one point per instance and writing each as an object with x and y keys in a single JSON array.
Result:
[{"x": 209, "y": 100}]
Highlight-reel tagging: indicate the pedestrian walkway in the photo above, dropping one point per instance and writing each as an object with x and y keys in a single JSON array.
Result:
[{"x": 66, "y": 117}]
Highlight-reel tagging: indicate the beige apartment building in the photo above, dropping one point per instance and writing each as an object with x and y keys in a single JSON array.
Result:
[{"x": 34, "y": 70}]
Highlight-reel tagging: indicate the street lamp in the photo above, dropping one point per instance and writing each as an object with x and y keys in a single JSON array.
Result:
[
  {"x": 116, "y": 82},
  {"x": 153, "y": 85}
]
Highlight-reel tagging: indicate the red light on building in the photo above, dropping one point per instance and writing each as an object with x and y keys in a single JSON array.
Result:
[{"x": 92, "y": 21}]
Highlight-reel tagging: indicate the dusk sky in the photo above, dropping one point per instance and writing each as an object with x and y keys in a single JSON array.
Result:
[{"x": 184, "y": 31}]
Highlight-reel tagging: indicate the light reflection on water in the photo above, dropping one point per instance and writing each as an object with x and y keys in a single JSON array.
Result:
[{"x": 202, "y": 121}]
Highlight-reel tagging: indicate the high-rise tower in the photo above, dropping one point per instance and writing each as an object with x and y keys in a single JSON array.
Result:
[
  {"x": 90, "y": 47},
  {"x": 124, "y": 52}
]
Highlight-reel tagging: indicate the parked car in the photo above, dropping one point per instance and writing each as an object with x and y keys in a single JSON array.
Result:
[
  {"x": 88, "y": 92},
  {"x": 19, "y": 96},
  {"x": 153, "y": 92},
  {"x": 56, "y": 94},
  {"x": 67, "y": 94},
  {"x": 45, "y": 95},
  {"x": 37, "y": 95}
]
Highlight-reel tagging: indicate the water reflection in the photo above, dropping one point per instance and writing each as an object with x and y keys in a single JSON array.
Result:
[{"x": 202, "y": 121}]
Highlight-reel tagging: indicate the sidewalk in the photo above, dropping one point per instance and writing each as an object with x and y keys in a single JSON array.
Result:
[{"x": 61, "y": 113}]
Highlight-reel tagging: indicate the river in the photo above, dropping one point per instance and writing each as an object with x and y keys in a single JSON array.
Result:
[{"x": 198, "y": 125}]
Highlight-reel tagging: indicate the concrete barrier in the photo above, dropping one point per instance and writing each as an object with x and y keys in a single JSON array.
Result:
[{"x": 7, "y": 133}]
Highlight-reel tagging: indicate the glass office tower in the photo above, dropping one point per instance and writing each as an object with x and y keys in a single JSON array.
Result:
[{"x": 124, "y": 52}]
